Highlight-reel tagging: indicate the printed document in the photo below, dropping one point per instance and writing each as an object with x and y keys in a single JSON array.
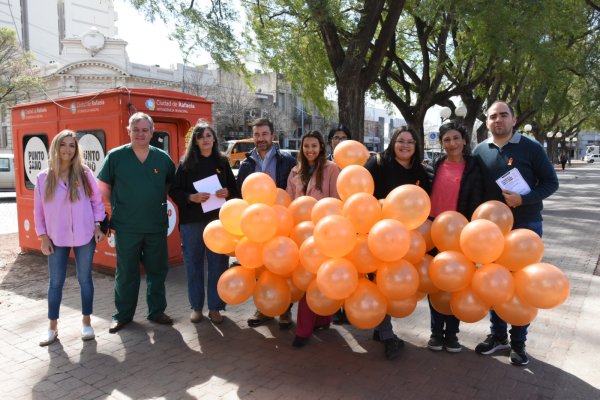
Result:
[
  {"x": 210, "y": 185},
  {"x": 513, "y": 181}
]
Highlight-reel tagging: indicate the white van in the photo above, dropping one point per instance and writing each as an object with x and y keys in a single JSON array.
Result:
[
  {"x": 592, "y": 158},
  {"x": 7, "y": 172}
]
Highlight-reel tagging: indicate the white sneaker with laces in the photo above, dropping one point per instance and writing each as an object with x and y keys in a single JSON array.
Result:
[{"x": 87, "y": 333}]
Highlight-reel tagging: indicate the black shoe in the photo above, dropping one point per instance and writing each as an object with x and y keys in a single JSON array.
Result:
[
  {"x": 491, "y": 344},
  {"x": 299, "y": 341},
  {"x": 258, "y": 319},
  {"x": 339, "y": 318},
  {"x": 452, "y": 345},
  {"x": 116, "y": 326},
  {"x": 162, "y": 319},
  {"x": 392, "y": 347},
  {"x": 435, "y": 343},
  {"x": 518, "y": 355}
]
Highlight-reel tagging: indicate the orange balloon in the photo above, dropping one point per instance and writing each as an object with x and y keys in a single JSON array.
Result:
[
  {"x": 350, "y": 152},
  {"x": 440, "y": 301},
  {"x": 389, "y": 240},
  {"x": 302, "y": 231},
  {"x": 259, "y": 222},
  {"x": 451, "y": 271},
  {"x": 249, "y": 253},
  {"x": 397, "y": 280},
  {"x": 522, "y": 247},
  {"x": 236, "y": 285},
  {"x": 258, "y": 187},
  {"x": 420, "y": 295},
  {"x": 319, "y": 303},
  {"x": 324, "y": 207},
  {"x": 337, "y": 278},
  {"x": 497, "y": 212},
  {"x": 354, "y": 179},
  {"x": 363, "y": 210},
  {"x": 217, "y": 239},
  {"x": 302, "y": 278},
  {"x": 542, "y": 285},
  {"x": 295, "y": 291},
  {"x": 416, "y": 248},
  {"x": 301, "y": 208},
  {"x": 259, "y": 271},
  {"x": 493, "y": 284},
  {"x": 282, "y": 198},
  {"x": 466, "y": 306},
  {"x": 310, "y": 256},
  {"x": 425, "y": 231},
  {"x": 408, "y": 204},
  {"x": 335, "y": 236},
  {"x": 425, "y": 284},
  {"x": 285, "y": 221},
  {"x": 482, "y": 241},
  {"x": 366, "y": 307},
  {"x": 230, "y": 215},
  {"x": 362, "y": 258},
  {"x": 516, "y": 312},
  {"x": 446, "y": 229},
  {"x": 272, "y": 295},
  {"x": 402, "y": 308},
  {"x": 281, "y": 255}
]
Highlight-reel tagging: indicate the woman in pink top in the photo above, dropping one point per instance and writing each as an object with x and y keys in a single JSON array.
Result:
[
  {"x": 457, "y": 185},
  {"x": 68, "y": 209},
  {"x": 317, "y": 177}
]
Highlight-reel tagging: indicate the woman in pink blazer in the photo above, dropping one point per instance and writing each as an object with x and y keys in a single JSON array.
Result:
[{"x": 317, "y": 177}]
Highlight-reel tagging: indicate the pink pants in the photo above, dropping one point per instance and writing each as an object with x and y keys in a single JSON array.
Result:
[{"x": 307, "y": 320}]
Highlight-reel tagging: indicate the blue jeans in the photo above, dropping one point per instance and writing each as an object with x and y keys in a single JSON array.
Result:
[
  {"x": 499, "y": 327},
  {"x": 438, "y": 320},
  {"x": 57, "y": 269},
  {"x": 194, "y": 254}
]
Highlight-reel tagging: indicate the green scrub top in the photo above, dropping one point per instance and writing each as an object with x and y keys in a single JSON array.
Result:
[{"x": 139, "y": 190}]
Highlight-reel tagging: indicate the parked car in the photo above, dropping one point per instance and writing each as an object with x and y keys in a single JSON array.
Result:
[
  {"x": 592, "y": 158},
  {"x": 7, "y": 172},
  {"x": 291, "y": 152}
]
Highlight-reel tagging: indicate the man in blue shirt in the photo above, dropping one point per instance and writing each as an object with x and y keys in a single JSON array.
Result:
[{"x": 503, "y": 151}]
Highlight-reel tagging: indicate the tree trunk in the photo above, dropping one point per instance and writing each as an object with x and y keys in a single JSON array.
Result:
[{"x": 351, "y": 104}]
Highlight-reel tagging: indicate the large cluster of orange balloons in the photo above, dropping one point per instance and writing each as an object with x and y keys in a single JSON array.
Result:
[
  {"x": 325, "y": 250},
  {"x": 484, "y": 264}
]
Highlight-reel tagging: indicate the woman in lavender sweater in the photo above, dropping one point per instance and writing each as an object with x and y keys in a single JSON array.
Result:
[{"x": 68, "y": 209}]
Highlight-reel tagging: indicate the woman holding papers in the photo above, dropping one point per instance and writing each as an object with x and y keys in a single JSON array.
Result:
[
  {"x": 313, "y": 176},
  {"x": 193, "y": 193},
  {"x": 457, "y": 185}
]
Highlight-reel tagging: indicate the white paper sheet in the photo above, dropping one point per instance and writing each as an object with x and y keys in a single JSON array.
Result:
[
  {"x": 210, "y": 185},
  {"x": 513, "y": 181}
]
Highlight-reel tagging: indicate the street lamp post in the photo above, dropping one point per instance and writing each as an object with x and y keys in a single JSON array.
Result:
[
  {"x": 461, "y": 112},
  {"x": 549, "y": 135},
  {"x": 445, "y": 113},
  {"x": 527, "y": 129}
]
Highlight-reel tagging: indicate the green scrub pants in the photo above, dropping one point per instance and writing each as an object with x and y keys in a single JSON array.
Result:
[{"x": 151, "y": 250}]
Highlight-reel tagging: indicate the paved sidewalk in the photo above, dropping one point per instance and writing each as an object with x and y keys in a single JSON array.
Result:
[{"x": 233, "y": 361}]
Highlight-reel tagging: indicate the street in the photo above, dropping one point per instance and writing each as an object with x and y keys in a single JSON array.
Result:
[{"x": 233, "y": 361}]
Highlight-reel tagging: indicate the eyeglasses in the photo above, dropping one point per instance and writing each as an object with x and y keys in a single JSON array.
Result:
[
  {"x": 339, "y": 138},
  {"x": 406, "y": 142}
]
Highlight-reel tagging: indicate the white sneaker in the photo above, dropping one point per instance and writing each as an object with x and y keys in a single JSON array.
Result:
[
  {"x": 50, "y": 338},
  {"x": 87, "y": 333}
]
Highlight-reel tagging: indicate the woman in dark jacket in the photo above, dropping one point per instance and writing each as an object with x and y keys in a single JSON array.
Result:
[
  {"x": 457, "y": 185},
  {"x": 201, "y": 160},
  {"x": 399, "y": 164}
]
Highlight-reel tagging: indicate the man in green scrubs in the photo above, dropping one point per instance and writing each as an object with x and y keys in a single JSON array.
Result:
[{"x": 135, "y": 179}]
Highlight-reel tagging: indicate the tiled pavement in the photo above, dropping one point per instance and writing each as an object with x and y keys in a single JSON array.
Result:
[{"x": 233, "y": 361}]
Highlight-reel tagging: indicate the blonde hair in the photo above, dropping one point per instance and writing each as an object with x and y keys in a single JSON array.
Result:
[{"x": 77, "y": 169}]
